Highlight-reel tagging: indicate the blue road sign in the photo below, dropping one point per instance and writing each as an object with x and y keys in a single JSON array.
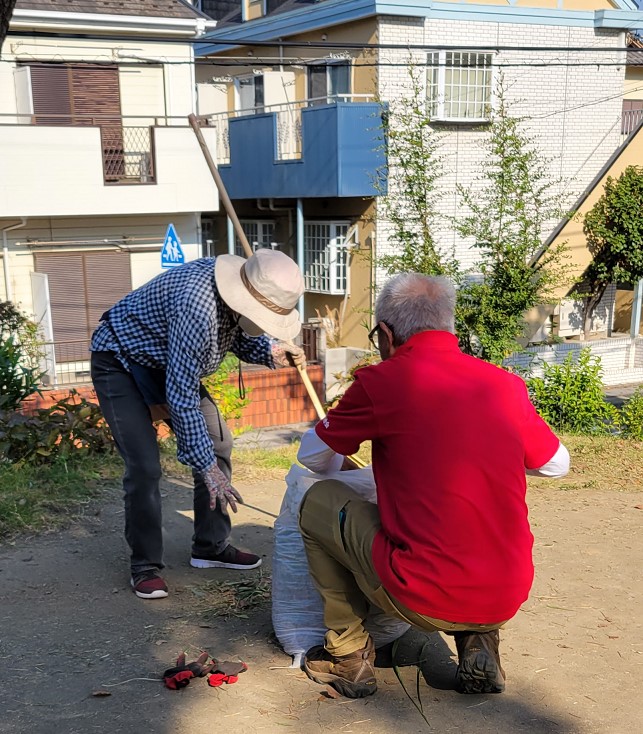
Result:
[{"x": 172, "y": 254}]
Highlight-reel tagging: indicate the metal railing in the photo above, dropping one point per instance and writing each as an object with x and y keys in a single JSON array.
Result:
[
  {"x": 288, "y": 114},
  {"x": 629, "y": 120},
  {"x": 128, "y": 154},
  {"x": 66, "y": 362},
  {"x": 310, "y": 336}
]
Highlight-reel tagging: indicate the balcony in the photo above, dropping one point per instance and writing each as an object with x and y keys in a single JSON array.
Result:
[
  {"x": 102, "y": 167},
  {"x": 301, "y": 150}
]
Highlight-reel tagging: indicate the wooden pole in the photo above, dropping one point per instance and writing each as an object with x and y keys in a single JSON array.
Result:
[
  {"x": 223, "y": 194},
  {"x": 227, "y": 203}
]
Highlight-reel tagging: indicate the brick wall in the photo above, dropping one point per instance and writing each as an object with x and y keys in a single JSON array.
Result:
[
  {"x": 277, "y": 397},
  {"x": 572, "y": 112}
]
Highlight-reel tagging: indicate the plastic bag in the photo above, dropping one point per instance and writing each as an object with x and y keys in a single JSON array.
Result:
[{"x": 297, "y": 608}]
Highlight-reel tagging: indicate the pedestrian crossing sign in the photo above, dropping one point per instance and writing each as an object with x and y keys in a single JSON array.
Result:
[{"x": 172, "y": 254}]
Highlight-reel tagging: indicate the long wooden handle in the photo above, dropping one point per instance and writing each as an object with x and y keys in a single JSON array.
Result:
[{"x": 223, "y": 194}]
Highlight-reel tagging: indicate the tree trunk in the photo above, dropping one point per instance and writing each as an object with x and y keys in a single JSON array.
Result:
[{"x": 6, "y": 11}]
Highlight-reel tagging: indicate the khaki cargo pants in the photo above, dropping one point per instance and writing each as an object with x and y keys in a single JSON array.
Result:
[{"x": 338, "y": 528}]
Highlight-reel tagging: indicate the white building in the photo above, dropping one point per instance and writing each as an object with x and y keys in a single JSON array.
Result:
[{"x": 96, "y": 157}]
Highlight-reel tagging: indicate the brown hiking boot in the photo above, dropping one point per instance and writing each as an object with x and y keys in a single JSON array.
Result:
[
  {"x": 351, "y": 675},
  {"x": 479, "y": 669}
]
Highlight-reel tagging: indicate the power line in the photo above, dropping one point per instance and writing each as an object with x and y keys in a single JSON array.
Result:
[
  {"x": 228, "y": 62},
  {"x": 333, "y": 45}
]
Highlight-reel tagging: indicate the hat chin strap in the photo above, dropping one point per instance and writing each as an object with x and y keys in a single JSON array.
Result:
[{"x": 260, "y": 297}]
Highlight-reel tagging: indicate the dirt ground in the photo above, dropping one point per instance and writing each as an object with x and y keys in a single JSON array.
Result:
[{"x": 71, "y": 627}]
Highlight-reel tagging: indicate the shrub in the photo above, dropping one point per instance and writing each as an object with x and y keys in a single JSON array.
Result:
[
  {"x": 228, "y": 397},
  {"x": 19, "y": 378},
  {"x": 69, "y": 426},
  {"x": 631, "y": 416},
  {"x": 570, "y": 397}
]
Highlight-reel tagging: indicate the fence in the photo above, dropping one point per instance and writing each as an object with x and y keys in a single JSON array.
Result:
[
  {"x": 288, "y": 124},
  {"x": 621, "y": 358},
  {"x": 66, "y": 363}
]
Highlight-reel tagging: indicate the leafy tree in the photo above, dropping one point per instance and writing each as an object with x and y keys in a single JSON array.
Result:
[
  {"x": 614, "y": 231},
  {"x": 414, "y": 171},
  {"x": 509, "y": 209}
]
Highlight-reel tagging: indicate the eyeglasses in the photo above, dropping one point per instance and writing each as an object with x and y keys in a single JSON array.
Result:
[{"x": 373, "y": 334}]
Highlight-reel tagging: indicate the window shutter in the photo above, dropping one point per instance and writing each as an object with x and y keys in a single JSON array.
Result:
[
  {"x": 82, "y": 286},
  {"x": 96, "y": 91},
  {"x": 108, "y": 277},
  {"x": 50, "y": 89}
]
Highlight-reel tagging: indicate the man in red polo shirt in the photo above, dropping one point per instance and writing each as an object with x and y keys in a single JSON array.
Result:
[{"x": 448, "y": 546}]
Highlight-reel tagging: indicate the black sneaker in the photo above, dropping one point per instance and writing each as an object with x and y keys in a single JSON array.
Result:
[
  {"x": 479, "y": 669},
  {"x": 148, "y": 585},
  {"x": 231, "y": 557}
]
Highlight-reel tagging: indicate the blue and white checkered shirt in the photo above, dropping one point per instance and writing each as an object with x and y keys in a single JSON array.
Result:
[{"x": 178, "y": 322}]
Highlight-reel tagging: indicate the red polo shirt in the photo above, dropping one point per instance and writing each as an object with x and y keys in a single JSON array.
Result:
[{"x": 452, "y": 436}]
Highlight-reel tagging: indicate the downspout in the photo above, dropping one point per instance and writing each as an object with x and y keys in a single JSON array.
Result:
[
  {"x": 300, "y": 249},
  {"x": 5, "y": 257}
]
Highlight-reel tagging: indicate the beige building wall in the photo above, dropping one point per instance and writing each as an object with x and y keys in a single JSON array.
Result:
[
  {"x": 145, "y": 80},
  {"x": 363, "y": 76},
  {"x": 145, "y": 237},
  {"x": 633, "y": 88}
]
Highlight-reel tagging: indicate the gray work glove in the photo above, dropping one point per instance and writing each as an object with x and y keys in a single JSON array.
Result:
[
  {"x": 220, "y": 489},
  {"x": 281, "y": 351}
]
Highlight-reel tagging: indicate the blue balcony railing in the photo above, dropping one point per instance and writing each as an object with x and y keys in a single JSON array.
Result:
[{"x": 294, "y": 151}]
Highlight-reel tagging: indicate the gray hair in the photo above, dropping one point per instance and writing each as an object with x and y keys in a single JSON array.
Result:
[{"x": 410, "y": 303}]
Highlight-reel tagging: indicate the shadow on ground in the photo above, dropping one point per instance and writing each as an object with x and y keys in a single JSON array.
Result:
[{"x": 71, "y": 628}]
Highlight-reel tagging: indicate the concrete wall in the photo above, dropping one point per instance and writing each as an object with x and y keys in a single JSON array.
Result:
[{"x": 58, "y": 171}]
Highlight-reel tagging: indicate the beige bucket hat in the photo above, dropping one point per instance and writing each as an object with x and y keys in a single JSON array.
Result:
[{"x": 265, "y": 289}]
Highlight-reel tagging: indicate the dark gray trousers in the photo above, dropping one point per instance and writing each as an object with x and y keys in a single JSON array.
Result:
[{"x": 131, "y": 424}]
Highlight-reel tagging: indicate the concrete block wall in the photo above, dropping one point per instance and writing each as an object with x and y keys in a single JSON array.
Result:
[
  {"x": 621, "y": 358},
  {"x": 572, "y": 112}
]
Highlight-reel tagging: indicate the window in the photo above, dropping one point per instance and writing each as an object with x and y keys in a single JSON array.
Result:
[
  {"x": 251, "y": 9},
  {"x": 260, "y": 234},
  {"x": 250, "y": 93},
  {"x": 329, "y": 82},
  {"x": 326, "y": 257},
  {"x": 459, "y": 86}
]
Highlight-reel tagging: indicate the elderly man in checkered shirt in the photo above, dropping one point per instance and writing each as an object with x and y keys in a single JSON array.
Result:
[{"x": 149, "y": 354}]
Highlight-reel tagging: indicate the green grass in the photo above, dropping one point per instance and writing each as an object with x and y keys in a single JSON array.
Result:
[{"x": 44, "y": 498}]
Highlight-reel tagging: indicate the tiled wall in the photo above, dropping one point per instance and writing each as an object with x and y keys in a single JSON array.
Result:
[
  {"x": 277, "y": 397},
  {"x": 570, "y": 109}
]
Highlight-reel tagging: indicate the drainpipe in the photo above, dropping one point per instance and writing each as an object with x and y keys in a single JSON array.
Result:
[
  {"x": 5, "y": 257},
  {"x": 230, "y": 230},
  {"x": 300, "y": 248}
]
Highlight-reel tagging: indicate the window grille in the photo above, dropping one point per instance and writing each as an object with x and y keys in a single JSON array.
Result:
[
  {"x": 259, "y": 233},
  {"x": 326, "y": 257},
  {"x": 459, "y": 86}
]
